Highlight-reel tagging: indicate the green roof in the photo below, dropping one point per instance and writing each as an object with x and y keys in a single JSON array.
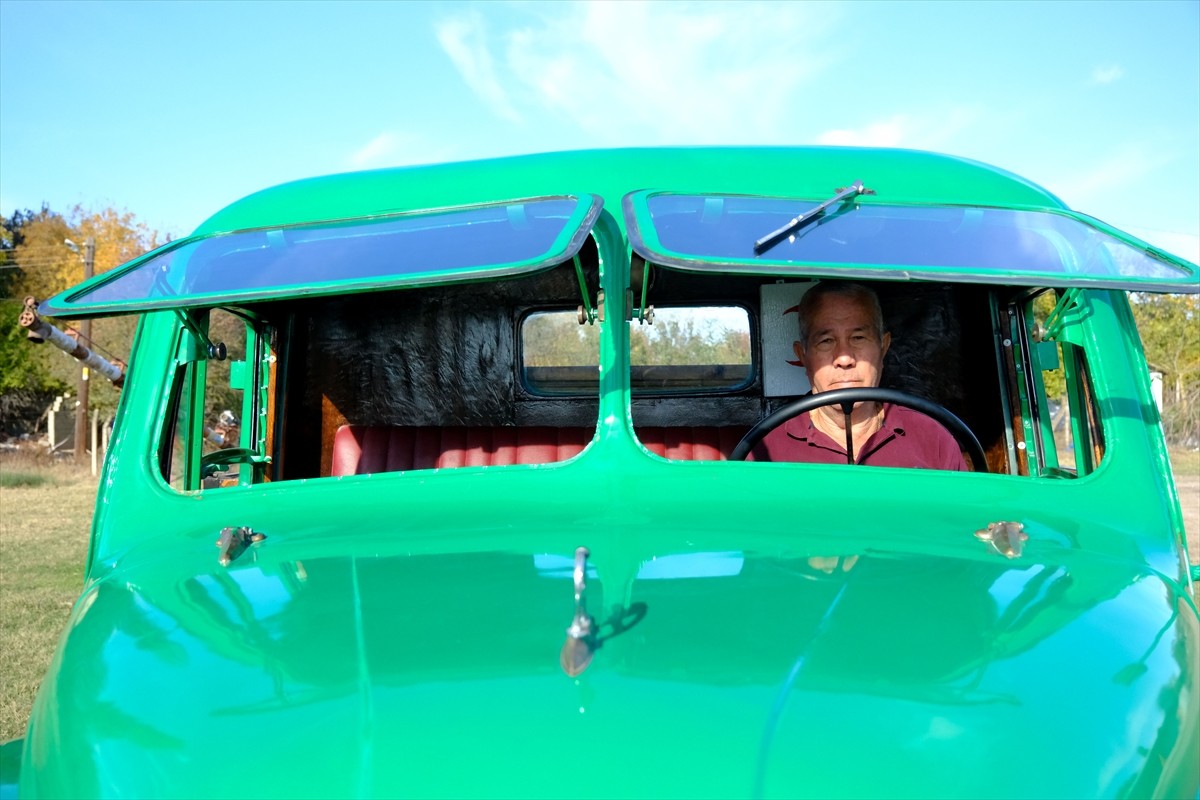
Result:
[{"x": 907, "y": 176}]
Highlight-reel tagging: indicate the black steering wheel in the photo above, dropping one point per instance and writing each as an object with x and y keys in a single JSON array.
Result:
[{"x": 846, "y": 398}]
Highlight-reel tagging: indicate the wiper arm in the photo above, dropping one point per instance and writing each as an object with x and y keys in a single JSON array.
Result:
[{"x": 771, "y": 239}]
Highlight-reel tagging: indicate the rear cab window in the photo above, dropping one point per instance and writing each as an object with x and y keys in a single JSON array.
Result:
[{"x": 676, "y": 350}]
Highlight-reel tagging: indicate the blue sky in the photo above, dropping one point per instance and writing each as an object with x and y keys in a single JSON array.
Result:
[{"x": 173, "y": 109}]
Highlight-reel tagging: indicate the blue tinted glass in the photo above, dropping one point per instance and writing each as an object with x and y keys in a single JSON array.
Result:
[
  {"x": 357, "y": 252},
  {"x": 944, "y": 237}
]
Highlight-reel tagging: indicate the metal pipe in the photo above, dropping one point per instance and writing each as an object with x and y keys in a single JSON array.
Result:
[{"x": 40, "y": 331}]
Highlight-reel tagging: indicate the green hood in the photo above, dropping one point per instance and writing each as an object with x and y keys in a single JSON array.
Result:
[{"x": 729, "y": 673}]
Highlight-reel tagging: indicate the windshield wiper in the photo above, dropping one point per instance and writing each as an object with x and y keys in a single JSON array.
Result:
[{"x": 771, "y": 239}]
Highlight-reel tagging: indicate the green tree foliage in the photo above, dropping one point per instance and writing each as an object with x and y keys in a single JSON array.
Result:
[
  {"x": 35, "y": 259},
  {"x": 1170, "y": 329},
  {"x": 8, "y": 264},
  {"x": 683, "y": 338},
  {"x": 44, "y": 264},
  {"x": 27, "y": 377},
  {"x": 677, "y": 338},
  {"x": 557, "y": 339},
  {"x": 219, "y": 396},
  {"x": 26, "y": 382}
]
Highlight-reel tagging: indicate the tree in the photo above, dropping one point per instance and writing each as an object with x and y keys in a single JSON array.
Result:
[
  {"x": 557, "y": 339},
  {"x": 37, "y": 261},
  {"x": 44, "y": 265},
  {"x": 1170, "y": 329},
  {"x": 688, "y": 336},
  {"x": 26, "y": 381},
  {"x": 8, "y": 264}
]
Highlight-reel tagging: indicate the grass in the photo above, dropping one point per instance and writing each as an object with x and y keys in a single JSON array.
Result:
[
  {"x": 14, "y": 479},
  {"x": 45, "y": 513},
  {"x": 1185, "y": 463}
]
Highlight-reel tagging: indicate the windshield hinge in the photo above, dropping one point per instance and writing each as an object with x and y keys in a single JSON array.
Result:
[
  {"x": 587, "y": 313},
  {"x": 215, "y": 351},
  {"x": 642, "y": 312},
  {"x": 1056, "y": 321}
]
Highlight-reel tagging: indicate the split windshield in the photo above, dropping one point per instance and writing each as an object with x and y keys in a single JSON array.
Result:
[
  {"x": 856, "y": 238},
  {"x": 345, "y": 255}
]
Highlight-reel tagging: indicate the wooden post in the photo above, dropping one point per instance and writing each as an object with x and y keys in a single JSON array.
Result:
[{"x": 85, "y": 331}]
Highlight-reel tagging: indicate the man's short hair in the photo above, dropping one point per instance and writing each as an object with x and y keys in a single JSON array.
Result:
[{"x": 849, "y": 289}]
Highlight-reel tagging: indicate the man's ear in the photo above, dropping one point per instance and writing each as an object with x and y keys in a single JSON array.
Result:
[{"x": 887, "y": 342}]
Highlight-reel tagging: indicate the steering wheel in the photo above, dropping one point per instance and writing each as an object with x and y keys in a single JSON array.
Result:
[
  {"x": 210, "y": 463},
  {"x": 846, "y": 398}
]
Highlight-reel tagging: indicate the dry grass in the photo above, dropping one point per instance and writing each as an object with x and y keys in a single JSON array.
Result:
[
  {"x": 45, "y": 512},
  {"x": 1185, "y": 463}
]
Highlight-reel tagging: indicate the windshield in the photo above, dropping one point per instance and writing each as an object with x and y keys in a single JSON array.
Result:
[
  {"x": 856, "y": 238},
  {"x": 347, "y": 255}
]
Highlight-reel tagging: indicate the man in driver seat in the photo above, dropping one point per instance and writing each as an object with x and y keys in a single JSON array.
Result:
[{"x": 842, "y": 345}]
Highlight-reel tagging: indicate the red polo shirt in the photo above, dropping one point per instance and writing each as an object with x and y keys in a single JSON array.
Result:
[{"x": 907, "y": 438}]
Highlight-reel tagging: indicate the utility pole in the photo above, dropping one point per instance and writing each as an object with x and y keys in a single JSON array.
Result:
[{"x": 85, "y": 333}]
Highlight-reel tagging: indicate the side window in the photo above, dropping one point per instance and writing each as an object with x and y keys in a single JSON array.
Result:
[
  {"x": 214, "y": 439},
  {"x": 1061, "y": 407}
]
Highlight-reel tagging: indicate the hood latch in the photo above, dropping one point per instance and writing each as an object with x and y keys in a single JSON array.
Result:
[
  {"x": 1006, "y": 538},
  {"x": 577, "y": 651}
]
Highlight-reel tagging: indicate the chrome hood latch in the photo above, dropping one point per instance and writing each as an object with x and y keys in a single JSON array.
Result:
[
  {"x": 577, "y": 651},
  {"x": 234, "y": 541},
  {"x": 1006, "y": 538}
]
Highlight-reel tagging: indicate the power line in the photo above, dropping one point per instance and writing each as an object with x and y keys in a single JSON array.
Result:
[
  {"x": 95, "y": 345},
  {"x": 42, "y": 265}
]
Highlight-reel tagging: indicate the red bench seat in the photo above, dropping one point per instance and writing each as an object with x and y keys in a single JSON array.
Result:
[{"x": 361, "y": 449}]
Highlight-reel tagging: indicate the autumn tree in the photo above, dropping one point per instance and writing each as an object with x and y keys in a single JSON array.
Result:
[
  {"x": 45, "y": 264},
  {"x": 41, "y": 257}
]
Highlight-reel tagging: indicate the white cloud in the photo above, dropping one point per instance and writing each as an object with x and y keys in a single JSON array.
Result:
[
  {"x": 464, "y": 39},
  {"x": 391, "y": 148},
  {"x": 933, "y": 129},
  {"x": 680, "y": 72},
  {"x": 1107, "y": 74},
  {"x": 1156, "y": 177},
  {"x": 1186, "y": 245},
  {"x": 887, "y": 133},
  {"x": 1120, "y": 169},
  {"x": 375, "y": 151}
]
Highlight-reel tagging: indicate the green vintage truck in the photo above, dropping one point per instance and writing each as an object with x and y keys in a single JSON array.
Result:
[{"x": 433, "y": 481}]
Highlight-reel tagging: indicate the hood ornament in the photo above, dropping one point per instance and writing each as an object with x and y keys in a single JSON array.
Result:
[
  {"x": 577, "y": 651},
  {"x": 1006, "y": 538}
]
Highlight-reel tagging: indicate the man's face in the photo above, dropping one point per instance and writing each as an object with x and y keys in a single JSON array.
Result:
[{"x": 843, "y": 351}]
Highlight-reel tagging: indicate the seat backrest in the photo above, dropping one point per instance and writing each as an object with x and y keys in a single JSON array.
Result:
[
  {"x": 698, "y": 443},
  {"x": 362, "y": 449}
]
